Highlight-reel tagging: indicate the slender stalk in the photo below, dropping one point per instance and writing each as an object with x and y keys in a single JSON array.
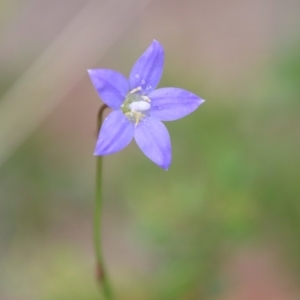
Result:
[{"x": 102, "y": 278}]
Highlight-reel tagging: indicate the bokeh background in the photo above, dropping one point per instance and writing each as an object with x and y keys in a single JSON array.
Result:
[{"x": 223, "y": 223}]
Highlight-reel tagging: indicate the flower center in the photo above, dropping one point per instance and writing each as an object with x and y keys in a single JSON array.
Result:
[{"x": 135, "y": 106}]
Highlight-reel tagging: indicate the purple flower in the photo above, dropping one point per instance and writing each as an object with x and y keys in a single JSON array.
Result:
[{"x": 138, "y": 109}]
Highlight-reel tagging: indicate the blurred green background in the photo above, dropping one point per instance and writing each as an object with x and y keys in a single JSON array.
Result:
[{"x": 223, "y": 223}]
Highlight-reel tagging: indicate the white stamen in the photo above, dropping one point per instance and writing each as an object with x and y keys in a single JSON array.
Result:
[
  {"x": 146, "y": 98},
  {"x": 139, "y": 106},
  {"x": 135, "y": 90}
]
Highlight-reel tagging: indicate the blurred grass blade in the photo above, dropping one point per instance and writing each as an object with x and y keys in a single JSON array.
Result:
[{"x": 78, "y": 47}]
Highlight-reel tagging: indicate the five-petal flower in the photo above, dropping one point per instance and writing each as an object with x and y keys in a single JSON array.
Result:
[{"x": 138, "y": 109}]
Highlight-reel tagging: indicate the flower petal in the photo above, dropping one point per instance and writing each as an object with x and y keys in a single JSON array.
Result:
[
  {"x": 168, "y": 104},
  {"x": 147, "y": 71},
  {"x": 153, "y": 138},
  {"x": 111, "y": 86},
  {"x": 115, "y": 134}
]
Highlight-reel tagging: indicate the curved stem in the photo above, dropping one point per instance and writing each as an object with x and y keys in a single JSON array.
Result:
[{"x": 102, "y": 278}]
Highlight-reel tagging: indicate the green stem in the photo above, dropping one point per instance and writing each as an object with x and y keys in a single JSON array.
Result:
[{"x": 102, "y": 278}]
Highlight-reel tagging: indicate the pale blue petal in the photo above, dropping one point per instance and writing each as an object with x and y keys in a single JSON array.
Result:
[
  {"x": 147, "y": 71},
  {"x": 168, "y": 104},
  {"x": 115, "y": 134},
  {"x": 153, "y": 138},
  {"x": 111, "y": 86}
]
